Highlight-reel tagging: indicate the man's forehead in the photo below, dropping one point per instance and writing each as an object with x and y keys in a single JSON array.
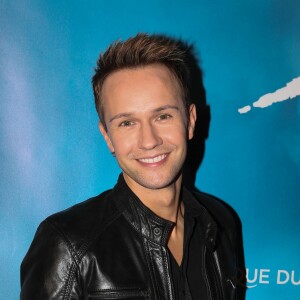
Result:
[
  {"x": 158, "y": 71},
  {"x": 153, "y": 80}
]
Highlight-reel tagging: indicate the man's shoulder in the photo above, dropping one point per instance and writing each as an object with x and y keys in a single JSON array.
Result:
[
  {"x": 85, "y": 220},
  {"x": 224, "y": 215}
]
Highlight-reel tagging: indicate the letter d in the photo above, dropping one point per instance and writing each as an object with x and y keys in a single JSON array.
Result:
[{"x": 280, "y": 280}]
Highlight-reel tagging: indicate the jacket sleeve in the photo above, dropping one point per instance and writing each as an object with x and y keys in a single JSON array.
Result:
[{"x": 49, "y": 270}]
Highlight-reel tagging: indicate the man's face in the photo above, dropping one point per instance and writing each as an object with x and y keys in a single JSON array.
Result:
[{"x": 147, "y": 127}]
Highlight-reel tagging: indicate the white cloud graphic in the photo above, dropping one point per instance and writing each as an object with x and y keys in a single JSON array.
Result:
[{"x": 290, "y": 91}]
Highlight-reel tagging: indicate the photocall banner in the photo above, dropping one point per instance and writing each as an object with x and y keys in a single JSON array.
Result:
[{"x": 52, "y": 155}]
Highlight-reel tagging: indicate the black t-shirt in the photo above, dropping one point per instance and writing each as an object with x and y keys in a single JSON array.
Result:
[{"x": 189, "y": 279}]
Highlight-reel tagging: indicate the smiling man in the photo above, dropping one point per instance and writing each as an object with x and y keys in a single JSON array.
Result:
[{"x": 148, "y": 237}]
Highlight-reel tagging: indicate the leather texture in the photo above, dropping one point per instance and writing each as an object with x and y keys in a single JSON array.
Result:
[{"x": 113, "y": 247}]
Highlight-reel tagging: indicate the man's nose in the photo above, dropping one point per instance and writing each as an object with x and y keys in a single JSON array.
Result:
[{"x": 149, "y": 137}]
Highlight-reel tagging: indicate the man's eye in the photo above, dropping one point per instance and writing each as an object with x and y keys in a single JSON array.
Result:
[
  {"x": 164, "y": 117},
  {"x": 126, "y": 124}
]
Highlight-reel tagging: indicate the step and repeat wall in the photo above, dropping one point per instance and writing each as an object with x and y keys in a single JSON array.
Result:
[{"x": 52, "y": 155}]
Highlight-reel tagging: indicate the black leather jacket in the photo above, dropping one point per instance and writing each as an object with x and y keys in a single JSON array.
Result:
[{"x": 113, "y": 247}]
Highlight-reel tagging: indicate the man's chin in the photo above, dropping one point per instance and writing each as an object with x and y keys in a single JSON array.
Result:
[{"x": 157, "y": 183}]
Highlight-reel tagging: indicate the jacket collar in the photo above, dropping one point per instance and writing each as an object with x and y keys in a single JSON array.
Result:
[{"x": 155, "y": 228}]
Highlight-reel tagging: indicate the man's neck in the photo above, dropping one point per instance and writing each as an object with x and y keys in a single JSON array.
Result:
[
  {"x": 166, "y": 204},
  {"x": 163, "y": 202}
]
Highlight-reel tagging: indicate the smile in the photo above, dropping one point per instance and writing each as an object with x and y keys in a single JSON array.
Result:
[{"x": 153, "y": 160}]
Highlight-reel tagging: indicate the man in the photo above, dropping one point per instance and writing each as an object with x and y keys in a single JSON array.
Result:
[{"x": 148, "y": 237}]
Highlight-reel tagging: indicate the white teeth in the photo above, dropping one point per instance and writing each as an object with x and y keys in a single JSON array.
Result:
[{"x": 153, "y": 160}]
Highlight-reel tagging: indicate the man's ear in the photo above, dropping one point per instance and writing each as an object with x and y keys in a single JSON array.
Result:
[
  {"x": 192, "y": 121},
  {"x": 106, "y": 137}
]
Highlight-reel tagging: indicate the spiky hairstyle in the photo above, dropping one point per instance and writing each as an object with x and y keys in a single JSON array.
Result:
[{"x": 138, "y": 51}]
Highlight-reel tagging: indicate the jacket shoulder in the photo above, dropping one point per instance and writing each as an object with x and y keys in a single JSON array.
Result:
[
  {"x": 62, "y": 240},
  {"x": 224, "y": 215},
  {"x": 85, "y": 220}
]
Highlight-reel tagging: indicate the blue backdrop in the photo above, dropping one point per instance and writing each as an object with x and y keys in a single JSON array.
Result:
[{"x": 52, "y": 155}]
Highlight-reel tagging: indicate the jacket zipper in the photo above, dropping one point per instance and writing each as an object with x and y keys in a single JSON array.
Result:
[
  {"x": 121, "y": 294},
  {"x": 213, "y": 277},
  {"x": 217, "y": 266}
]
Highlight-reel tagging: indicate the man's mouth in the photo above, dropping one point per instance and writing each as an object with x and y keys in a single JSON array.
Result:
[{"x": 153, "y": 160}]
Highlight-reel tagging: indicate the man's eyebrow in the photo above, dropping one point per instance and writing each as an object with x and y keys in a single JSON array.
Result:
[
  {"x": 130, "y": 114},
  {"x": 121, "y": 115},
  {"x": 166, "y": 107}
]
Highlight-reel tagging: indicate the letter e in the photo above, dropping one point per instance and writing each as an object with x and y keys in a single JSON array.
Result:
[{"x": 263, "y": 276}]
